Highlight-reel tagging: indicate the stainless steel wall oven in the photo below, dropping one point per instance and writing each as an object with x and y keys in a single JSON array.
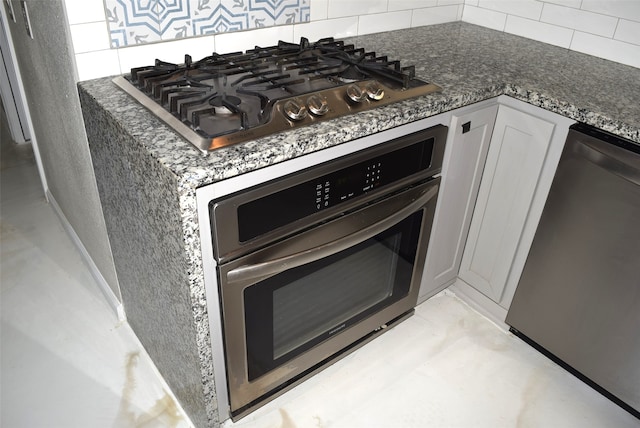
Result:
[{"x": 314, "y": 264}]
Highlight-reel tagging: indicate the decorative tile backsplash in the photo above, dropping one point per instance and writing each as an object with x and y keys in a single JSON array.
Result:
[
  {"x": 133, "y": 22},
  {"x": 111, "y": 36}
]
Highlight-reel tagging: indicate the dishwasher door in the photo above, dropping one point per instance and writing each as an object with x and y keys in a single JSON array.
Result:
[{"x": 578, "y": 299}]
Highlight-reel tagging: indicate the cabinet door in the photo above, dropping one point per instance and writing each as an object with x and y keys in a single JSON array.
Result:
[
  {"x": 514, "y": 163},
  {"x": 467, "y": 146}
]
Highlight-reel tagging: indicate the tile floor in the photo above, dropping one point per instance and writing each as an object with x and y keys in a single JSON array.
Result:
[
  {"x": 447, "y": 366},
  {"x": 66, "y": 361}
]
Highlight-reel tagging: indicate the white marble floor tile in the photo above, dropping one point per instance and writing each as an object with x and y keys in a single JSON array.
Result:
[
  {"x": 447, "y": 366},
  {"x": 66, "y": 361}
]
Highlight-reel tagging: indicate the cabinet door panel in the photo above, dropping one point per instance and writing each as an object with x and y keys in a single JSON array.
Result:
[
  {"x": 461, "y": 172},
  {"x": 516, "y": 156}
]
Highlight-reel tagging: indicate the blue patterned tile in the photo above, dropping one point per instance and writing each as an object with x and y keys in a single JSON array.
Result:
[
  {"x": 260, "y": 18},
  {"x": 229, "y": 20},
  {"x": 279, "y": 11},
  {"x": 203, "y": 16},
  {"x": 143, "y": 21},
  {"x": 132, "y": 22},
  {"x": 118, "y": 37},
  {"x": 233, "y": 15},
  {"x": 169, "y": 12},
  {"x": 305, "y": 12},
  {"x": 175, "y": 21}
]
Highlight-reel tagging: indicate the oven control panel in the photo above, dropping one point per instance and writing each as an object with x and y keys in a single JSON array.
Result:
[
  {"x": 354, "y": 181},
  {"x": 300, "y": 200},
  {"x": 322, "y": 194}
]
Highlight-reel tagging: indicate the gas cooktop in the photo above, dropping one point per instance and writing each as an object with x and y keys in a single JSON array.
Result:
[{"x": 225, "y": 99}]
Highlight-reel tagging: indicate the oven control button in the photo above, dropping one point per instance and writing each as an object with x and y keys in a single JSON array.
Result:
[
  {"x": 317, "y": 105},
  {"x": 294, "y": 111},
  {"x": 355, "y": 94},
  {"x": 374, "y": 91}
]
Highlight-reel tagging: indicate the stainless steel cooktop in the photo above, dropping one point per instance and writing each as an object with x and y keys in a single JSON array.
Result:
[{"x": 232, "y": 98}]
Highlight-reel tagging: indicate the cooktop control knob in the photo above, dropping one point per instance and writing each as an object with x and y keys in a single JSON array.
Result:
[
  {"x": 317, "y": 105},
  {"x": 355, "y": 94},
  {"x": 294, "y": 110},
  {"x": 374, "y": 91}
]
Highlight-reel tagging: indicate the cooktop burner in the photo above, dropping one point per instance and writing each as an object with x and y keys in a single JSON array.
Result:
[{"x": 232, "y": 98}]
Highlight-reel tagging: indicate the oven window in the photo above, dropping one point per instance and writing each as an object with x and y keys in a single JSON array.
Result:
[{"x": 289, "y": 313}]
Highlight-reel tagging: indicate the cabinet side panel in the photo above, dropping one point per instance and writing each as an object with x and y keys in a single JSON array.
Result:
[
  {"x": 514, "y": 163},
  {"x": 463, "y": 165},
  {"x": 142, "y": 213}
]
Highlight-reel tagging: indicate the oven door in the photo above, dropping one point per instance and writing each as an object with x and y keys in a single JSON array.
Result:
[{"x": 296, "y": 305}]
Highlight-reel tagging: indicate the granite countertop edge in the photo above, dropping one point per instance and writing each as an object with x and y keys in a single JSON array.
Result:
[
  {"x": 196, "y": 169},
  {"x": 464, "y": 82}
]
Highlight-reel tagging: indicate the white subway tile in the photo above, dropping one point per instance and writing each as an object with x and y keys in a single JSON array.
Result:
[
  {"x": 319, "y": 9},
  {"x": 410, "y": 4},
  {"x": 83, "y": 11},
  {"x": 484, "y": 17},
  {"x": 540, "y": 31},
  {"x": 449, "y": 2},
  {"x": 339, "y": 27},
  {"x": 380, "y": 22},
  {"x": 568, "y": 3},
  {"x": 471, "y": 2},
  {"x": 628, "y": 31},
  {"x": 524, "y": 8},
  {"x": 341, "y": 8},
  {"x": 170, "y": 51},
  {"x": 614, "y": 50},
  {"x": 92, "y": 65},
  {"x": 90, "y": 37},
  {"x": 627, "y": 9},
  {"x": 434, "y": 15},
  {"x": 588, "y": 22},
  {"x": 242, "y": 40},
  {"x": 197, "y": 47}
]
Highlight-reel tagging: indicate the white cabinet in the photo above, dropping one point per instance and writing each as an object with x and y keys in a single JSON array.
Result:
[
  {"x": 467, "y": 145},
  {"x": 523, "y": 155}
]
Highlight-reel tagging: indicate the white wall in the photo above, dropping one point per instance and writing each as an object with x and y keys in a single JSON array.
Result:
[
  {"x": 338, "y": 18},
  {"x": 605, "y": 28},
  {"x": 45, "y": 65}
]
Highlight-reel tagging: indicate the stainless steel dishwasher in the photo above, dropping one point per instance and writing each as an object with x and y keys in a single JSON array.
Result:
[{"x": 578, "y": 299}]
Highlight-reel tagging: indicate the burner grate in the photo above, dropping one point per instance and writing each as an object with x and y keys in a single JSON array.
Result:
[{"x": 228, "y": 98}]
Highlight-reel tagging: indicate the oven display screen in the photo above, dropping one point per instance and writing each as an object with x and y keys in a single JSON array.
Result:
[{"x": 297, "y": 202}]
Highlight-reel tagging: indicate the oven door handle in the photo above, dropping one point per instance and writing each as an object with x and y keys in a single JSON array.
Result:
[{"x": 259, "y": 271}]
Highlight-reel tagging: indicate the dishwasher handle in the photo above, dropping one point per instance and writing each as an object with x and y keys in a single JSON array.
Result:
[
  {"x": 263, "y": 270},
  {"x": 613, "y": 154}
]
